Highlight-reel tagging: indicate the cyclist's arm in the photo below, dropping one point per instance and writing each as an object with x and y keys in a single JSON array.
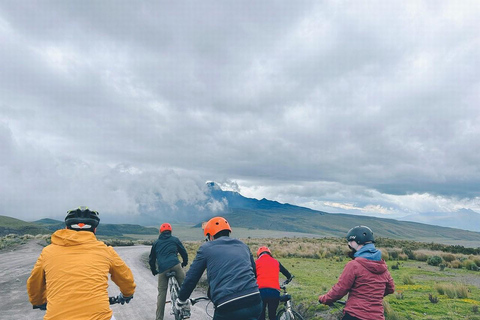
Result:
[
  {"x": 121, "y": 274},
  {"x": 199, "y": 265},
  {"x": 36, "y": 284},
  {"x": 152, "y": 259},
  {"x": 182, "y": 251},
  {"x": 342, "y": 287},
  {"x": 284, "y": 271},
  {"x": 390, "y": 288},
  {"x": 254, "y": 266}
]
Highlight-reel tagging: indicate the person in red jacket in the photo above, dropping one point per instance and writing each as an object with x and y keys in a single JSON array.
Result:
[
  {"x": 366, "y": 279},
  {"x": 268, "y": 269}
]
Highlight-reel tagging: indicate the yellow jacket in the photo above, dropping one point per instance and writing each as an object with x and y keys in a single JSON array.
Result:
[{"x": 72, "y": 275}]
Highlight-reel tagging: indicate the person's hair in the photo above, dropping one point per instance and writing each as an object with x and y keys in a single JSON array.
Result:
[{"x": 223, "y": 233}]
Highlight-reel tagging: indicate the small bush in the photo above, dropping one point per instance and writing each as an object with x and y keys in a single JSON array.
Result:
[
  {"x": 396, "y": 266},
  {"x": 420, "y": 256},
  {"x": 475, "y": 309},
  {"x": 448, "y": 257},
  {"x": 470, "y": 265},
  {"x": 442, "y": 266},
  {"x": 477, "y": 261},
  {"x": 408, "y": 280},
  {"x": 432, "y": 298},
  {"x": 440, "y": 288},
  {"x": 461, "y": 291},
  {"x": 434, "y": 260},
  {"x": 455, "y": 264},
  {"x": 402, "y": 257}
]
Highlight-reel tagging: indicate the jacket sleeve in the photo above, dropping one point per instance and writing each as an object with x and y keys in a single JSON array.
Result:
[
  {"x": 121, "y": 274},
  {"x": 390, "y": 288},
  {"x": 284, "y": 271},
  {"x": 182, "y": 251},
  {"x": 36, "y": 284},
  {"x": 152, "y": 259},
  {"x": 194, "y": 274},
  {"x": 254, "y": 266},
  {"x": 342, "y": 287}
]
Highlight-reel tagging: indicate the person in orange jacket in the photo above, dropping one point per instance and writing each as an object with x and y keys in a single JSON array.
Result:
[
  {"x": 268, "y": 269},
  {"x": 71, "y": 273}
]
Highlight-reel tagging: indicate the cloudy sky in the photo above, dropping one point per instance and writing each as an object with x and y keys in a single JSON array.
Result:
[{"x": 365, "y": 107}]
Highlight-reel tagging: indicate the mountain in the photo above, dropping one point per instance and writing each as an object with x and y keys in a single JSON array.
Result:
[
  {"x": 463, "y": 219},
  {"x": 9, "y": 225},
  {"x": 272, "y": 215}
]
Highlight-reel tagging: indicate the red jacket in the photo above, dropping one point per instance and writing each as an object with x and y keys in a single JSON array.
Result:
[
  {"x": 366, "y": 282},
  {"x": 268, "y": 269}
]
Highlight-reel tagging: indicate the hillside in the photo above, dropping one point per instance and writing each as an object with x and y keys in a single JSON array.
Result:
[
  {"x": 327, "y": 224},
  {"x": 104, "y": 229},
  {"x": 9, "y": 225}
]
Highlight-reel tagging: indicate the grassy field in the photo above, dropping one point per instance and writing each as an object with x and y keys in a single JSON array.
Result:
[{"x": 422, "y": 291}]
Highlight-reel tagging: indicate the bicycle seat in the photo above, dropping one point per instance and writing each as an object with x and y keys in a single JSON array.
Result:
[
  {"x": 170, "y": 274},
  {"x": 285, "y": 298}
]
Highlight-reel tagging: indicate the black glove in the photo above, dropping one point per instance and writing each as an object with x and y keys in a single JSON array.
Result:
[
  {"x": 41, "y": 306},
  {"x": 122, "y": 299},
  {"x": 154, "y": 272},
  {"x": 184, "y": 264}
]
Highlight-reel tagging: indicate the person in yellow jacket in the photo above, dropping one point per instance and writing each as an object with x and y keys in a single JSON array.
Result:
[{"x": 70, "y": 277}]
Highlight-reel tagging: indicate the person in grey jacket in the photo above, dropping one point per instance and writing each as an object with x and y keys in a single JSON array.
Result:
[
  {"x": 231, "y": 274},
  {"x": 164, "y": 253}
]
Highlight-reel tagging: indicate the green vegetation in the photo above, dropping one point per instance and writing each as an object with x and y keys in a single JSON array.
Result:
[
  {"x": 422, "y": 290},
  {"x": 9, "y": 225}
]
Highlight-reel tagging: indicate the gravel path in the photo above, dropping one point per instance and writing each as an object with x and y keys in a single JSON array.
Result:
[{"x": 15, "y": 268}]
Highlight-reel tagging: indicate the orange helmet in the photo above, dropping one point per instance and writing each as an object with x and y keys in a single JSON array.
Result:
[
  {"x": 215, "y": 225},
  {"x": 165, "y": 227},
  {"x": 263, "y": 250}
]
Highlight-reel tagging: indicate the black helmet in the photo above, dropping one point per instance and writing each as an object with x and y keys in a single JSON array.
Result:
[
  {"x": 82, "y": 219},
  {"x": 360, "y": 234}
]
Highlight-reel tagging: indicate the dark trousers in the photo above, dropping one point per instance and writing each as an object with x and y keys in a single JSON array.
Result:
[
  {"x": 346, "y": 316},
  {"x": 248, "y": 313},
  {"x": 272, "y": 304}
]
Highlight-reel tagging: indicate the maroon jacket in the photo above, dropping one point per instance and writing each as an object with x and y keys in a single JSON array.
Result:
[{"x": 366, "y": 282}]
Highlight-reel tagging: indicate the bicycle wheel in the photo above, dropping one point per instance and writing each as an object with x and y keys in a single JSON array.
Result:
[
  {"x": 296, "y": 315},
  {"x": 283, "y": 315}
]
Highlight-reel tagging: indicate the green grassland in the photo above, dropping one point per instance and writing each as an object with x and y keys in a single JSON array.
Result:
[{"x": 317, "y": 264}]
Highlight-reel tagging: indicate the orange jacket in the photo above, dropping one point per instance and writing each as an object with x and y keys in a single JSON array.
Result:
[{"x": 72, "y": 275}]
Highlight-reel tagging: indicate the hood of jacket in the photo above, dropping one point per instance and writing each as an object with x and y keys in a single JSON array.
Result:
[
  {"x": 375, "y": 267},
  {"x": 67, "y": 237},
  {"x": 369, "y": 252},
  {"x": 165, "y": 235}
]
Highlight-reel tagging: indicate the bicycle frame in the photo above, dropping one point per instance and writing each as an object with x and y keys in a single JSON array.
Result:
[
  {"x": 174, "y": 289},
  {"x": 287, "y": 312}
]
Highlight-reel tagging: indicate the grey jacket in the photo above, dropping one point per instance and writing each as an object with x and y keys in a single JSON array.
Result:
[{"x": 230, "y": 271}]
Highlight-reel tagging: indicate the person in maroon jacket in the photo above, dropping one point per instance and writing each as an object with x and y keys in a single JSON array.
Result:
[
  {"x": 366, "y": 279},
  {"x": 268, "y": 269}
]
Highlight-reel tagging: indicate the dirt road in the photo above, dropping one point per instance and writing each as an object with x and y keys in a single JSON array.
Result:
[{"x": 15, "y": 267}]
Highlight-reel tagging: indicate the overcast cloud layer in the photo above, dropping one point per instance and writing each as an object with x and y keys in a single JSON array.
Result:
[{"x": 368, "y": 107}]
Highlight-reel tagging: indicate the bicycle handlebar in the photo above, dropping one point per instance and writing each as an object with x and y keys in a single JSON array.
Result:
[
  {"x": 195, "y": 300},
  {"x": 111, "y": 300},
  {"x": 282, "y": 286},
  {"x": 341, "y": 302}
]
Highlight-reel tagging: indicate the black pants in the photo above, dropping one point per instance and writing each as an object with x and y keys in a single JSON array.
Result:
[
  {"x": 346, "y": 316},
  {"x": 272, "y": 304}
]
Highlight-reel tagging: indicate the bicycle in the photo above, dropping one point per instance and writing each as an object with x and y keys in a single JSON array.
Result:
[
  {"x": 287, "y": 312},
  {"x": 111, "y": 300}
]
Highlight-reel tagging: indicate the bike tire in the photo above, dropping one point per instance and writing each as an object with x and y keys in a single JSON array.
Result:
[
  {"x": 283, "y": 315},
  {"x": 296, "y": 315}
]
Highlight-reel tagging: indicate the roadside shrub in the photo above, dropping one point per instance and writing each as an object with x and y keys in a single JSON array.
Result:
[
  {"x": 434, "y": 260},
  {"x": 448, "y": 257},
  {"x": 409, "y": 253},
  {"x": 461, "y": 291},
  {"x": 442, "y": 266}
]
